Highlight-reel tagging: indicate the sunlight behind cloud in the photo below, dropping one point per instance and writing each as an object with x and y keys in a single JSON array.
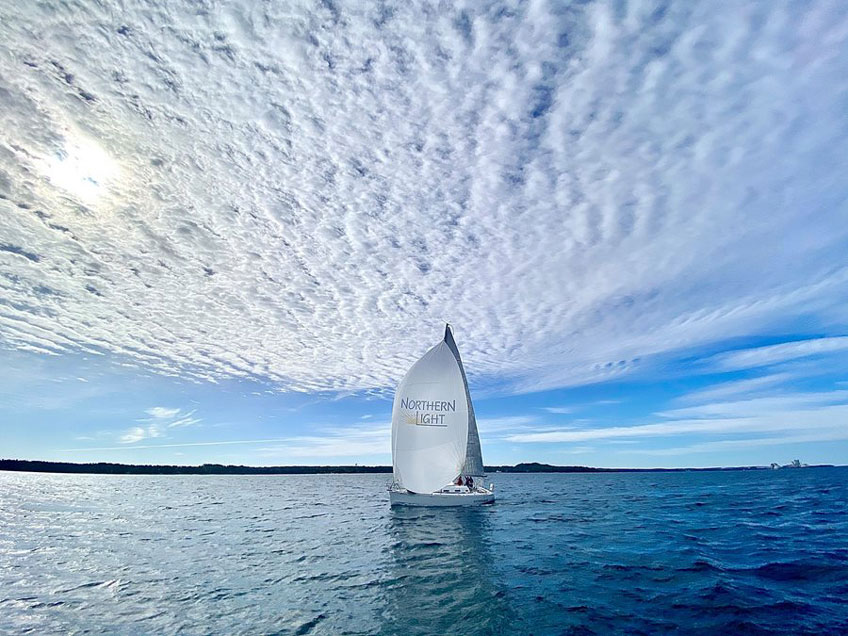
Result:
[{"x": 82, "y": 169}]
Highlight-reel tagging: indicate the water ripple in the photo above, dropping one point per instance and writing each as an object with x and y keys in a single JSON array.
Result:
[{"x": 558, "y": 554}]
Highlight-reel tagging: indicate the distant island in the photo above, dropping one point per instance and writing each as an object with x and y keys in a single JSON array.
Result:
[{"x": 107, "y": 468}]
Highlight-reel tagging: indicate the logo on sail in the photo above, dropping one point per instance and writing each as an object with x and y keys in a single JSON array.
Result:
[{"x": 427, "y": 412}]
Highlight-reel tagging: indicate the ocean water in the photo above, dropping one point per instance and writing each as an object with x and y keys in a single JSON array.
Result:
[{"x": 742, "y": 552}]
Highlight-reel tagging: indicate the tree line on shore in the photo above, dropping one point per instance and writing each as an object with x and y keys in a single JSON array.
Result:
[{"x": 221, "y": 469}]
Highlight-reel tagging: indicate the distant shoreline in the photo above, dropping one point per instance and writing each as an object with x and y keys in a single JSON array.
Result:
[{"x": 107, "y": 468}]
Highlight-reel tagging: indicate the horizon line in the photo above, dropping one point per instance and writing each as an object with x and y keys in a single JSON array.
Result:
[{"x": 541, "y": 467}]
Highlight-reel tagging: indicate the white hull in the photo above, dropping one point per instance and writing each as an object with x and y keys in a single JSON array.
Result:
[{"x": 406, "y": 498}]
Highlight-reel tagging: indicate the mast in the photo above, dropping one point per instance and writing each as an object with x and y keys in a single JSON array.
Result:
[{"x": 473, "y": 453}]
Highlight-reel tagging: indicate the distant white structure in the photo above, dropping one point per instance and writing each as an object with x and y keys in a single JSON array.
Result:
[{"x": 795, "y": 463}]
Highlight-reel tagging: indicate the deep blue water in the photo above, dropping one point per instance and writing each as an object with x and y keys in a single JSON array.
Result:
[{"x": 742, "y": 552}]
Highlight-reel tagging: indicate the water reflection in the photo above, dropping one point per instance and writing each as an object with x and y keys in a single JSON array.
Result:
[{"x": 441, "y": 577}]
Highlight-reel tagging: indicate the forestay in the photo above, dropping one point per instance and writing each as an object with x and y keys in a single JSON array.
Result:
[{"x": 430, "y": 423}]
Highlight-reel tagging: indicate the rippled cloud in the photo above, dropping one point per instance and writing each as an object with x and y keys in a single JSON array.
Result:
[
  {"x": 161, "y": 419},
  {"x": 300, "y": 193}
]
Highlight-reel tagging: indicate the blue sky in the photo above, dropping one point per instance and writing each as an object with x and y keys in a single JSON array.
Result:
[
  {"x": 745, "y": 406},
  {"x": 226, "y": 232}
]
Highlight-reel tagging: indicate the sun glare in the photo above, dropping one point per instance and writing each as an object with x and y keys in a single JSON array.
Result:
[{"x": 82, "y": 169}]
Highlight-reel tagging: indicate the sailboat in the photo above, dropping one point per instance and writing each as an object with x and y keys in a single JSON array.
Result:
[{"x": 436, "y": 455}]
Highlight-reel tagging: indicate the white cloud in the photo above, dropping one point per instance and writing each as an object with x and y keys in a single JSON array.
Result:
[
  {"x": 339, "y": 442},
  {"x": 160, "y": 421},
  {"x": 171, "y": 417},
  {"x": 187, "y": 420},
  {"x": 351, "y": 441},
  {"x": 775, "y": 354},
  {"x": 808, "y": 417},
  {"x": 139, "y": 433},
  {"x": 745, "y": 387},
  {"x": 175, "y": 445},
  {"x": 826, "y": 434},
  {"x": 287, "y": 194},
  {"x": 758, "y": 405},
  {"x": 160, "y": 412}
]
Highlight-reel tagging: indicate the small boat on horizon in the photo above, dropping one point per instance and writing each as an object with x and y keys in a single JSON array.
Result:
[{"x": 436, "y": 454}]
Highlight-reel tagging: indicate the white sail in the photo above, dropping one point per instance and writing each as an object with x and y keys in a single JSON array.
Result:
[
  {"x": 430, "y": 423},
  {"x": 474, "y": 454}
]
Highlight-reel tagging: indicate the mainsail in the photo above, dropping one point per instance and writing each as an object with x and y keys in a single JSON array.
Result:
[
  {"x": 434, "y": 431},
  {"x": 473, "y": 453}
]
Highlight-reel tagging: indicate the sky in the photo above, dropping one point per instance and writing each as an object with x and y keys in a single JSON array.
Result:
[{"x": 227, "y": 229}]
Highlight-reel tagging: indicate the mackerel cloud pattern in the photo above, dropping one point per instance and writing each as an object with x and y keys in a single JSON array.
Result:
[{"x": 302, "y": 192}]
